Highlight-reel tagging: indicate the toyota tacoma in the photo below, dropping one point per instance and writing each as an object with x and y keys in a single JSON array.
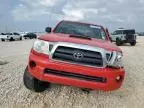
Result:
[{"x": 76, "y": 54}]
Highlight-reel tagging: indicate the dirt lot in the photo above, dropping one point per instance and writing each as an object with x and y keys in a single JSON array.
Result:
[{"x": 13, "y": 93}]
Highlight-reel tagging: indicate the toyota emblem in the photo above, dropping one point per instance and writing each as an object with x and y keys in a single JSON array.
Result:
[{"x": 78, "y": 55}]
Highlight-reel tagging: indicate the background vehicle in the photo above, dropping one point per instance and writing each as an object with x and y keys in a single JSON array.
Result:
[
  {"x": 30, "y": 36},
  {"x": 76, "y": 54},
  {"x": 10, "y": 36},
  {"x": 22, "y": 34},
  {"x": 1, "y": 34},
  {"x": 121, "y": 36}
]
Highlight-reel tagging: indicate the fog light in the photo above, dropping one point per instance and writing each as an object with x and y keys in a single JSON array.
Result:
[
  {"x": 32, "y": 64},
  {"x": 118, "y": 78}
]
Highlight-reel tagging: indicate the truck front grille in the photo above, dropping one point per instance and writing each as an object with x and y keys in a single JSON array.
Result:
[
  {"x": 75, "y": 75},
  {"x": 130, "y": 37},
  {"x": 79, "y": 56}
]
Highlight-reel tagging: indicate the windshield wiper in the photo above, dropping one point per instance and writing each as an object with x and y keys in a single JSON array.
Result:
[{"x": 79, "y": 36}]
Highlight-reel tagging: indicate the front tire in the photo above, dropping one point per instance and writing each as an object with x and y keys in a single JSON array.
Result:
[
  {"x": 133, "y": 43},
  {"x": 118, "y": 42},
  {"x": 34, "y": 84},
  {"x": 2, "y": 40},
  {"x": 11, "y": 39},
  {"x": 20, "y": 38}
]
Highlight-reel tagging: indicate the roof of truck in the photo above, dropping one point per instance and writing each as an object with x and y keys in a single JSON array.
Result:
[{"x": 124, "y": 29}]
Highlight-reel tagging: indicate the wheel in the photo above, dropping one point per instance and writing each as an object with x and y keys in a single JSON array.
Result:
[
  {"x": 20, "y": 38},
  {"x": 11, "y": 39},
  {"x": 133, "y": 43},
  {"x": 2, "y": 40},
  {"x": 34, "y": 84},
  {"x": 118, "y": 42}
]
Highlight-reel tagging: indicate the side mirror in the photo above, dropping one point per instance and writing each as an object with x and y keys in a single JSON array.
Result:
[
  {"x": 48, "y": 29},
  {"x": 110, "y": 38}
]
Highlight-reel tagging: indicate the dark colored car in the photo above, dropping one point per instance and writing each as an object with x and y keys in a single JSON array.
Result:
[{"x": 30, "y": 36}]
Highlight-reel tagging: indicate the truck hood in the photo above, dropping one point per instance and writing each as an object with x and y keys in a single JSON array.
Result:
[{"x": 58, "y": 37}]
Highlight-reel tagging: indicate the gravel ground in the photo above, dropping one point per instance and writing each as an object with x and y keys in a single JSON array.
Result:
[{"x": 13, "y": 94}]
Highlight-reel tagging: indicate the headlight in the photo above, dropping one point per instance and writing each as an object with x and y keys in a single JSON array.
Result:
[
  {"x": 116, "y": 60},
  {"x": 43, "y": 46}
]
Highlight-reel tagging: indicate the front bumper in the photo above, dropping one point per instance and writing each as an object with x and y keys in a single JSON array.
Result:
[{"x": 43, "y": 63}]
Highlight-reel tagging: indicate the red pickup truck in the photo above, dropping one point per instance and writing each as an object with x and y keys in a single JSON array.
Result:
[{"x": 76, "y": 54}]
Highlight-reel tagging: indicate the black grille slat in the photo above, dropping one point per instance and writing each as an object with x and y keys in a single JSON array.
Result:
[
  {"x": 93, "y": 55},
  {"x": 92, "y": 61},
  {"x": 75, "y": 75},
  {"x": 65, "y": 51},
  {"x": 70, "y": 57},
  {"x": 64, "y": 56},
  {"x": 88, "y": 63},
  {"x": 89, "y": 57},
  {"x": 130, "y": 37}
]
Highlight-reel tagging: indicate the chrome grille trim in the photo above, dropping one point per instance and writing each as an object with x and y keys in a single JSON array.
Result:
[{"x": 83, "y": 47}]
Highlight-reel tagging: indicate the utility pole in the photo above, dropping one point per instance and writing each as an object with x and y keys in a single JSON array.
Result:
[
  {"x": 1, "y": 61},
  {"x": 1, "y": 16},
  {"x": 6, "y": 29}
]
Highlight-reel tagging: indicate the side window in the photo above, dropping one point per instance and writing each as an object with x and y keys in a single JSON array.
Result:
[
  {"x": 118, "y": 32},
  {"x": 115, "y": 33},
  {"x": 103, "y": 34},
  {"x": 15, "y": 33}
]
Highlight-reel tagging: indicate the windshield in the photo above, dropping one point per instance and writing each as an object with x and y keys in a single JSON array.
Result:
[
  {"x": 129, "y": 31},
  {"x": 118, "y": 32},
  {"x": 3, "y": 34},
  {"x": 80, "y": 29},
  {"x": 8, "y": 33},
  {"x": 124, "y": 32}
]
